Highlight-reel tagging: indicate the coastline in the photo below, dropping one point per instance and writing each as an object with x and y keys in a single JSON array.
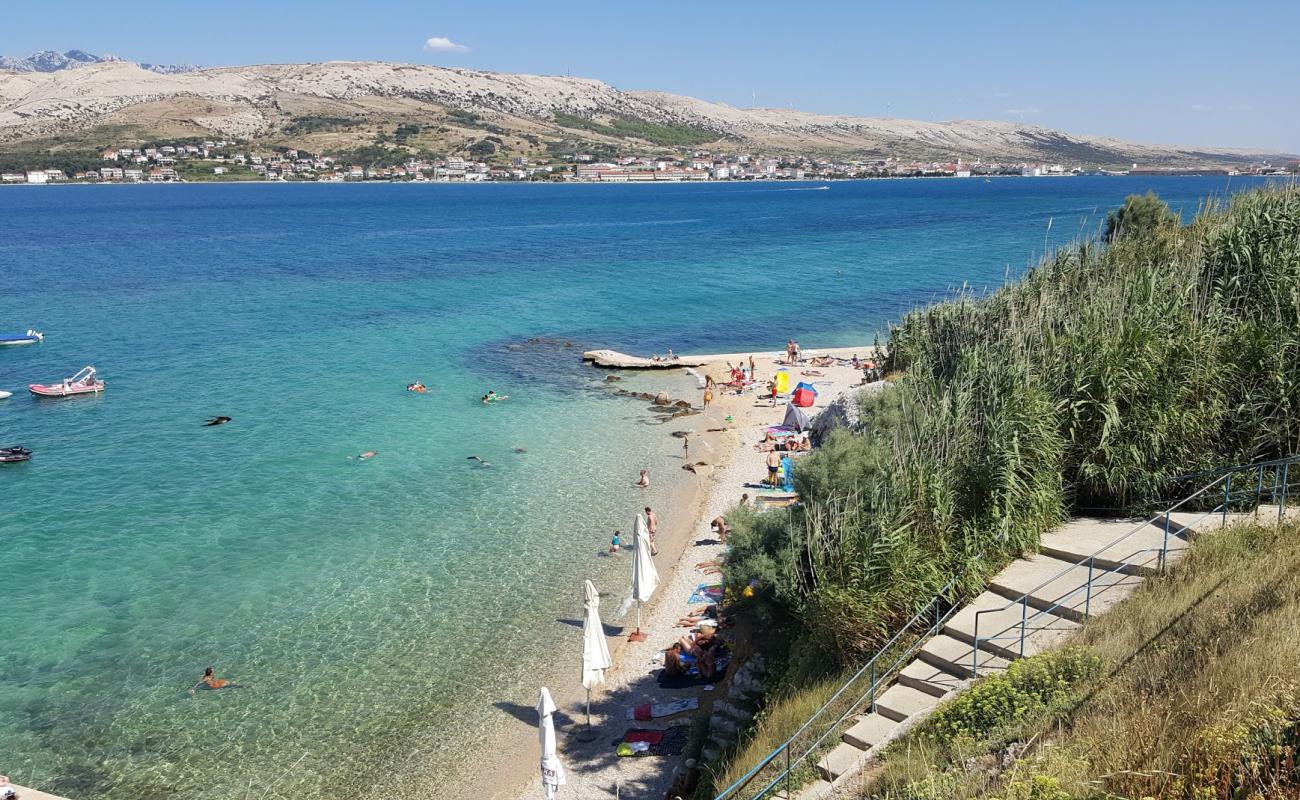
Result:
[{"x": 593, "y": 770}]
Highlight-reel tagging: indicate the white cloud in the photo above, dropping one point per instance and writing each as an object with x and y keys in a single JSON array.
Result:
[
  {"x": 1201, "y": 107},
  {"x": 1020, "y": 112},
  {"x": 442, "y": 44}
]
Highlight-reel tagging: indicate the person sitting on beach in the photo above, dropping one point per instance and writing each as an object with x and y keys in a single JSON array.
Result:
[
  {"x": 671, "y": 356},
  {"x": 643, "y": 480},
  {"x": 719, "y": 526},
  {"x": 211, "y": 681},
  {"x": 745, "y": 502}
]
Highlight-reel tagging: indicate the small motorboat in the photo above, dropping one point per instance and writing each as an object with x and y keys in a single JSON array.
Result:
[
  {"x": 31, "y": 337},
  {"x": 5, "y": 395},
  {"x": 11, "y": 455},
  {"x": 84, "y": 382}
]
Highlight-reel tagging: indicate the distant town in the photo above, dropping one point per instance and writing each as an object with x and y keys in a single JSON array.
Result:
[{"x": 222, "y": 161}]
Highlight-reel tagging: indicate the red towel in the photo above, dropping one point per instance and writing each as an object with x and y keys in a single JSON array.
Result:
[
  {"x": 653, "y": 737},
  {"x": 641, "y": 713}
]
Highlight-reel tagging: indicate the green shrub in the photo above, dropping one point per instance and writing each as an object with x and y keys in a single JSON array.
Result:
[{"x": 998, "y": 704}]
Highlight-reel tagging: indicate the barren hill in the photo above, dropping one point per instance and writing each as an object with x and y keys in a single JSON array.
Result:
[{"x": 346, "y": 104}]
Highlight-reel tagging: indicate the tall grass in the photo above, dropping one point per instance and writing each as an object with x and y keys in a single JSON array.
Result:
[
  {"x": 1195, "y": 697},
  {"x": 1092, "y": 382}
]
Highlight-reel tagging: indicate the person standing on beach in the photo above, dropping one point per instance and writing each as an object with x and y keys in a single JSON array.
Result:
[
  {"x": 753, "y": 376},
  {"x": 771, "y": 392},
  {"x": 708, "y": 397},
  {"x": 652, "y": 522},
  {"x": 686, "y": 447},
  {"x": 773, "y": 466}
]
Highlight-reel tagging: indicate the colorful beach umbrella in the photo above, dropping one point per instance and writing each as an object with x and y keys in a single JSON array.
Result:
[
  {"x": 552, "y": 769},
  {"x": 645, "y": 578}
]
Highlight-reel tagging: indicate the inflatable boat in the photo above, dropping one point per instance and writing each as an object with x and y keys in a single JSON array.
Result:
[
  {"x": 84, "y": 382},
  {"x": 10, "y": 455}
]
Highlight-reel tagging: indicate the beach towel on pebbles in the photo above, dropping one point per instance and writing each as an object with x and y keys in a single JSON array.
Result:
[
  {"x": 706, "y": 593},
  {"x": 648, "y": 711}
]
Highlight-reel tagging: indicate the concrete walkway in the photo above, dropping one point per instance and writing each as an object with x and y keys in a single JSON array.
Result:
[{"x": 1043, "y": 595}]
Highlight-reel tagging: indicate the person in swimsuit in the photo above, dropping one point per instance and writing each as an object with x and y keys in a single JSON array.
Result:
[
  {"x": 369, "y": 454},
  {"x": 652, "y": 524},
  {"x": 708, "y": 397},
  {"x": 773, "y": 467},
  {"x": 210, "y": 680},
  {"x": 643, "y": 482}
]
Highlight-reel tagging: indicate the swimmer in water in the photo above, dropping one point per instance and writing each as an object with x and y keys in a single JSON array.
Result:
[
  {"x": 216, "y": 421},
  {"x": 643, "y": 482},
  {"x": 520, "y": 450},
  {"x": 479, "y": 459},
  {"x": 211, "y": 681},
  {"x": 369, "y": 454}
]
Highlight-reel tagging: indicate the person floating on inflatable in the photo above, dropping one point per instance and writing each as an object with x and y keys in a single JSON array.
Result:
[{"x": 416, "y": 387}]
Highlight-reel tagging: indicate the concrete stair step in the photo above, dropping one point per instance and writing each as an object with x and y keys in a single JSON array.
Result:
[
  {"x": 813, "y": 791},
  {"x": 1000, "y": 628},
  {"x": 1131, "y": 545},
  {"x": 929, "y": 678},
  {"x": 1065, "y": 589},
  {"x": 956, "y": 657},
  {"x": 900, "y": 702},
  {"x": 868, "y": 731},
  {"x": 842, "y": 760}
]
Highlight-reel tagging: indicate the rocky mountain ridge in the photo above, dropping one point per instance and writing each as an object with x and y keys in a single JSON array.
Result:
[
  {"x": 268, "y": 103},
  {"x": 54, "y": 61}
]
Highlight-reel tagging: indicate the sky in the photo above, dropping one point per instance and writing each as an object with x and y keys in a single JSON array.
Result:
[{"x": 1188, "y": 73}]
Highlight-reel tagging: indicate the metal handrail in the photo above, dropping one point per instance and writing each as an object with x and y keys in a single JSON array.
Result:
[
  {"x": 880, "y": 677},
  {"x": 943, "y": 595},
  {"x": 1167, "y": 515}
]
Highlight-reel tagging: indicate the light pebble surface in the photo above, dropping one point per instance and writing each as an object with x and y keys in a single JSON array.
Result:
[{"x": 592, "y": 769}]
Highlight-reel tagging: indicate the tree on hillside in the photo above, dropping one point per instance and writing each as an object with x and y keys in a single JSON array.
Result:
[{"x": 1139, "y": 215}]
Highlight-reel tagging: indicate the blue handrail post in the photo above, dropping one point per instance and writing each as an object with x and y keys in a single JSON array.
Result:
[
  {"x": 1087, "y": 597},
  {"x": 1024, "y": 620},
  {"x": 1281, "y": 508},
  {"x": 1227, "y": 492},
  {"x": 787, "y": 771},
  {"x": 1164, "y": 547}
]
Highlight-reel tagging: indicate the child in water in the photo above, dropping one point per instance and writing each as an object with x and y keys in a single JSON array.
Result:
[
  {"x": 210, "y": 680},
  {"x": 615, "y": 543}
]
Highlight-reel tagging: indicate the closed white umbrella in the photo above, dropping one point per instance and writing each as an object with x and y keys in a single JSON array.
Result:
[
  {"x": 552, "y": 769},
  {"x": 645, "y": 578},
  {"x": 595, "y": 650}
]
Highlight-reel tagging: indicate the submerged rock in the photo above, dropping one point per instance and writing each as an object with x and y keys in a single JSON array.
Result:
[{"x": 661, "y": 399}]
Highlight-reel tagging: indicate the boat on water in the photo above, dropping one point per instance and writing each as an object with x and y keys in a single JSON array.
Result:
[
  {"x": 84, "y": 382},
  {"x": 5, "y": 395},
  {"x": 31, "y": 337},
  {"x": 14, "y": 454}
]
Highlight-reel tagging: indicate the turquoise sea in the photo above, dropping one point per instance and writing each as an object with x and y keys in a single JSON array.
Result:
[{"x": 385, "y": 616}]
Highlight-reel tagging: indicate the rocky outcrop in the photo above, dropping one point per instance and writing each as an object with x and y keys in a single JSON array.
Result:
[{"x": 841, "y": 413}]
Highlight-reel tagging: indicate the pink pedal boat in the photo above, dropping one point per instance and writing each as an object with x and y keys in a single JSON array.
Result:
[{"x": 84, "y": 382}]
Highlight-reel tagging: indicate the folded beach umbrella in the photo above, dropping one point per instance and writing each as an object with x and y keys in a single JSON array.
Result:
[
  {"x": 552, "y": 769},
  {"x": 645, "y": 578},
  {"x": 595, "y": 650}
]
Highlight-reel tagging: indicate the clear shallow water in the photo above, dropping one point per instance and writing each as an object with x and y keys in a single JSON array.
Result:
[{"x": 385, "y": 615}]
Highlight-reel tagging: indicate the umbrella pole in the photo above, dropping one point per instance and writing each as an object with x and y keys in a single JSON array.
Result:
[
  {"x": 588, "y": 734},
  {"x": 637, "y": 635}
]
